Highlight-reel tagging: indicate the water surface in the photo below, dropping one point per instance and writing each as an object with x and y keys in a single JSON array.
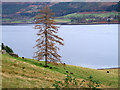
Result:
[{"x": 93, "y": 46}]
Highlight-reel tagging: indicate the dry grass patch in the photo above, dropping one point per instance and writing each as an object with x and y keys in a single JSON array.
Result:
[
  {"x": 28, "y": 73},
  {"x": 31, "y": 74}
]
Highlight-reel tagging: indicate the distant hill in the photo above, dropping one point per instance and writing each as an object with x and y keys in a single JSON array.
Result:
[
  {"x": 24, "y": 12},
  {"x": 63, "y": 8}
]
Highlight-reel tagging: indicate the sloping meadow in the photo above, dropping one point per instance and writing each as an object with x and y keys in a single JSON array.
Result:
[{"x": 29, "y": 73}]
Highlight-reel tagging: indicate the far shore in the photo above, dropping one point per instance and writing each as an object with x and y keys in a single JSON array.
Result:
[
  {"x": 109, "y": 68},
  {"x": 59, "y": 23}
]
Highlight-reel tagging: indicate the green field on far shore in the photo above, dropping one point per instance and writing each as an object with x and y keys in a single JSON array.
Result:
[{"x": 65, "y": 18}]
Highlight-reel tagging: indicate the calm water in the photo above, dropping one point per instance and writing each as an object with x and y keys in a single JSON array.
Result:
[{"x": 93, "y": 46}]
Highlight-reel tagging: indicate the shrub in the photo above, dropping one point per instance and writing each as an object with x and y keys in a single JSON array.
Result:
[
  {"x": 3, "y": 47},
  {"x": 70, "y": 82},
  {"x": 93, "y": 83},
  {"x": 8, "y": 49}
]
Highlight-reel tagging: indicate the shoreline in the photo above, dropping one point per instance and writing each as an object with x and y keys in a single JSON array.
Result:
[
  {"x": 109, "y": 68},
  {"x": 59, "y": 23}
]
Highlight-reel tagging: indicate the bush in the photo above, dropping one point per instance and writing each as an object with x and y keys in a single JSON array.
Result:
[
  {"x": 70, "y": 82},
  {"x": 93, "y": 83},
  {"x": 3, "y": 47},
  {"x": 8, "y": 49}
]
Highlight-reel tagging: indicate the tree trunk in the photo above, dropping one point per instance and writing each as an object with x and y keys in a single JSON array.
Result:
[{"x": 46, "y": 48}]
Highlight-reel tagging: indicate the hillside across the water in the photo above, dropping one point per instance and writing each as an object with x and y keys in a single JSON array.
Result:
[
  {"x": 29, "y": 73},
  {"x": 64, "y": 12}
]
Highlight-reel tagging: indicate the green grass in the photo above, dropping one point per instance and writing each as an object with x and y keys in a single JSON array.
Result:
[
  {"x": 14, "y": 76},
  {"x": 6, "y": 19},
  {"x": 36, "y": 76},
  {"x": 94, "y": 14},
  {"x": 17, "y": 21},
  {"x": 66, "y": 18},
  {"x": 62, "y": 20}
]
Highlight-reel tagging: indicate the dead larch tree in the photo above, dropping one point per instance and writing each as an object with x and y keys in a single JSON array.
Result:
[{"x": 47, "y": 37}]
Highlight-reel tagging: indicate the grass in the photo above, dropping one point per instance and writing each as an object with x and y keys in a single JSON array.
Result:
[
  {"x": 93, "y": 14},
  {"x": 17, "y": 21},
  {"x": 6, "y": 19},
  {"x": 62, "y": 20},
  {"x": 66, "y": 18},
  {"x": 35, "y": 75},
  {"x": 56, "y": 20}
]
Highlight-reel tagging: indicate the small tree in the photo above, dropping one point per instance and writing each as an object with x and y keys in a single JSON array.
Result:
[
  {"x": 8, "y": 49},
  {"x": 3, "y": 47},
  {"x": 47, "y": 38}
]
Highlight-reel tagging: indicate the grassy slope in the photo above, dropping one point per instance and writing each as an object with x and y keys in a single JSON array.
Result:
[
  {"x": 57, "y": 20},
  {"x": 65, "y": 19},
  {"x": 36, "y": 76},
  {"x": 93, "y": 14}
]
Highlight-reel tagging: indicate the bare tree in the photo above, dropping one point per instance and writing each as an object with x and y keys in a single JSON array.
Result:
[{"x": 47, "y": 39}]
